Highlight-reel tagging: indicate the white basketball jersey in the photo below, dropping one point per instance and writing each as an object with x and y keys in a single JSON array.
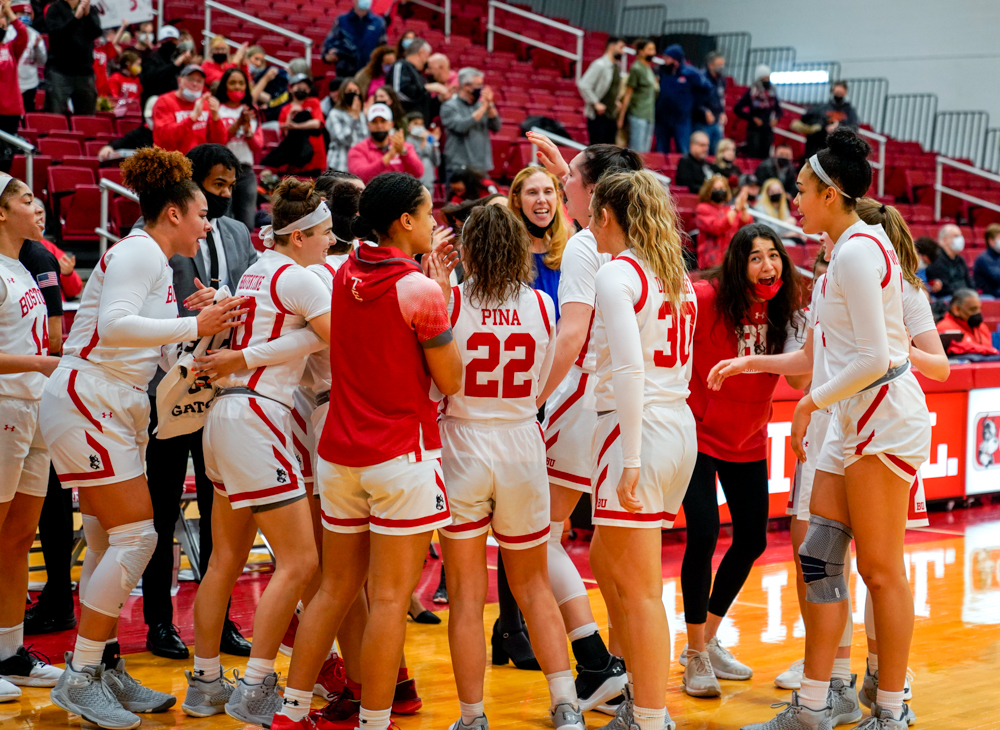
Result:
[
  {"x": 506, "y": 351},
  {"x": 577, "y": 274},
  {"x": 317, "y": 376},
  {"x": 282, "y": 297},
  {"x": 819, "y": 376},
  {"x": 666, "y": 335},
  {"x": 23, "y": 327}
]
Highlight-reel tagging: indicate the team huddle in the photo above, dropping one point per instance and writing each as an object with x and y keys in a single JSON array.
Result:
[{"x": 364, "y": 401}]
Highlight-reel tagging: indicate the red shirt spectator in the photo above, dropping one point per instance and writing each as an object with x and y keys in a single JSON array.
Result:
[
  {"x": 311, "y": 105},
  {"x": 966, "y": 312},
  {"x": 103, "y": 54},
  {"x": 383, "y": 151},
  {"x": 124, "y": 87},
  {"x": 11, "y": 102},
  {"x": 181, "y": 122},
  {"x": 717, "y": 221}
]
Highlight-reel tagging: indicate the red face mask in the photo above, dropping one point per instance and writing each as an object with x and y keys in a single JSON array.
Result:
[
  {"x": 235, "y": 96},
  {"x": 767, "y": 292}
]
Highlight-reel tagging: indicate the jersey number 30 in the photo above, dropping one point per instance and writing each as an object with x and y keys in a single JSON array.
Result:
[
  {"x": 679, "y": 333},
  {"x": 475, "y": 388}
]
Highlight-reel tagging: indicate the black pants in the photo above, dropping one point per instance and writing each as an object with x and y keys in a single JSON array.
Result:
[
  {"x": 29, "y": 99},
  {"x": 62, "y": 88},
  {"x": 759, "y": 140},
  {"x": 166, "y": 468},
  {"x": 8, "y": 124},
  {"x": 55, "y": 530},
  {"x": 602, "y": 129},
  {"x": 245, "y": 197},
  {"x": 745, "y": 486}
]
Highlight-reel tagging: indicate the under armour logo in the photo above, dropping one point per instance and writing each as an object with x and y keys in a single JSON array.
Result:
[
  {"x": 95, "y": 462},
  {"x": 8, "y": 427},
  {"x": 107, "y": 414},
  {"x": 282, "y": 475},
  {"x": 439, "y": 502}
]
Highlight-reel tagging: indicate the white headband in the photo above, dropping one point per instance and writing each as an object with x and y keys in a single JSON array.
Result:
[
  {"x": 267, "y": 233},
  {"x": 821, "y": 174},
  {"x": 4, "y": 181}
]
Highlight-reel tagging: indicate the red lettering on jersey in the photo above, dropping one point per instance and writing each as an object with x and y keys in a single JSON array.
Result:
[
  {"x": 659, "y": 284},
  {"x": 31, "y": 299},
  {"x": 171, "y": 296},
  {"x": 251, "y": 282},
  {"x": 514, "y": 319},
  {"x": 496, "y": 317}
]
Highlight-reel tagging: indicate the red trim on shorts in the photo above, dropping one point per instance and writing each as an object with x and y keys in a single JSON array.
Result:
[
  {"x": 642, "y": 277},
  {"x": 86, "y": 476},
  {"x": 612, "y": 437},
  {"x": 585, "y": 481},
  {"x": 219, "y": 485},
  {"x": 300, "y": 421},
  {"x": 304, "y": 453},
  {"x": 456, "y": 297},
  {"x": 609, "y": 514},
  {"x": 429, "y": 519},
  {"x": 261, "y": 493},
  {"x": 902, "y": 465},
  {"x": 288, "y": 467},
  {"x": 344, "y": 522},
  {"x": 469, "y": 525},
  {"x": 518, "y": 539},
  {"x": 882, "y": 392},
  {"x": 274, "y": 291},
  {"x": 551, "y": 442},
  {"x": 911, "y": 512},
  {"x": 888, "y": 263},
  {"x": 861, "y": 447},
  {"x": 586, "y": 342},
  {"x": 73, "y": 396},
  {"x": 85, "y": 352},
  {"x": 577, "y": 395},
  {"x": 255, "y": 407},
  {"x": 541, "y": 306}
]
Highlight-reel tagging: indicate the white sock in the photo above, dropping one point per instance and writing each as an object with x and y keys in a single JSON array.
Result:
[
  {"x": 258, "y": 669},
  {"x": 842, "y": 670},
  {"x": 374, "y": 719},
  {"x": 562, "y": 688},
  {"x": 583, "y": 632},
  {"x": 11, "y": 639},
  {"x": 471, "y": 710},
  {"x": 872, "y": 663},
  {"x": 813, "y": 693},
  {"x": 890, "y": 701},
  {"x": 207, "y": 670},
  {"x": 647, "y": 718},
  {"x": 87, "y": 653},
  {"x": 296, "y": 704},
  {"x": 300, "y": 608},
  {"x": 112, "y": 640}
]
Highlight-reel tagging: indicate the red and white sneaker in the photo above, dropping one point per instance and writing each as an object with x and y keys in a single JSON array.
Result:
[
  {"x": 280, "y": 722},
  {"x": 288, "y": 643},
  {"x": 340, "y": 714},
  {"x": 406, "y": 701},
  {"x": 332, "y": 678}
]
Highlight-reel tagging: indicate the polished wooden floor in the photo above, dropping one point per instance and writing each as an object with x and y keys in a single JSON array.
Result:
[{"x": 954, "y": 569}]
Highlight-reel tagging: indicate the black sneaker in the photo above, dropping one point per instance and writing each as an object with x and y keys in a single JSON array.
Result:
[
  {"x": 233, "y": 641},
  {"x": 165, "y": 641},
  {"x": 441, "y": 594},
  {"x": 597, "y": 687},
  {"x": 29, "y": 669},
  {"x": 38, "y": 619}
]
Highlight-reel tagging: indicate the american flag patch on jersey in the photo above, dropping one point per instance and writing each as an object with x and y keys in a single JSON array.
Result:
[{"x": 49, "y": 278}]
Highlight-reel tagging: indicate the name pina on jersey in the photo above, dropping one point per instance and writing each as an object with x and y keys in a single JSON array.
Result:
[{"x": 500, "y": 317}]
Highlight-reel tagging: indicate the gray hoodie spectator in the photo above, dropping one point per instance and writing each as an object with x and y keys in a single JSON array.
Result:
[{"x": 468, "y": 118}]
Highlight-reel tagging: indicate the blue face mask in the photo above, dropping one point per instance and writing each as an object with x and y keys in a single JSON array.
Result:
[
  {"x": 406, "y": 43},
  {"x": 26, "y": 19},
  {"x": 364, "y": 5}
]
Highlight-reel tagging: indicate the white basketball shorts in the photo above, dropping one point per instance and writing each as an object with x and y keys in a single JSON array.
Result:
[
  {"x": 317, "y": 419},
  {"x": 303, "y": 438},
  {"x": 802, "y": 482},
  {"x": 495, "y": 472},
  {"x": 569, "y": 425},
  {"x": 24, "y": 460}
]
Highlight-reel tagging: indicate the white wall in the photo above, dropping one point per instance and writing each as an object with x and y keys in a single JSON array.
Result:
[{"x": 947, "y": 47}]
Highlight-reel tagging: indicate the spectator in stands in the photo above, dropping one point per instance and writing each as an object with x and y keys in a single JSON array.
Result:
[
  {"x": 69, "y": 71},
  {"x": 106, "y": 52},
  {"x": 927, "y": 253},
  {"x": 270, "y": 85},
  {"x": 965, "y": 315},
  {"x": 681, "y": 84},
  {"x": 375, "y": 74},
  {"x": 464, "y": 185},
  {"x": 725, "y": 161},
  {"x": 145, "y": 37},
  {"x": 385, "y": 95},
  {"x": 717, "y": 221},
  {"x": 760, "y": 107},
  {"x": 141, "y": 136},
  {"x": 821, "y": 120},
  {"x": 354, "y": 36},
  {"x": 302, "y": 149},
  {"x": 329, "y": 102},
  {"x": 346, "y": 125},
  {"x": 189, "y": 116},
  {"x": 413, "y": 90},
  {"x": 32, "y": 57},
  {"x": 949, "y": 272},
  {"x": 639, "y": 102},
  {"x": 219, "y": 60},
  {"x": 403, "y": 44},
  {"x": 694, "y": 168},
  {"x": 425, "y": 144},
  {"x": 439, "y": 69},
  {"x": 749, "y": 184},
  {"x": 161, "y": 67},
  {"x": 710, "y": 115},
  {"x": 245, "y": 140},
  {"x": 782, "y": 166},
  {"x": 383, "y": 152},
  {"x": 986, "y": 270},
  {"x": 124, "y": 82},
  {"x": 468, "y": 118},
  {"x": 11, "y": 101},
  {"x": 774, "y": 203},
  {"x": 600, "y": 87}
]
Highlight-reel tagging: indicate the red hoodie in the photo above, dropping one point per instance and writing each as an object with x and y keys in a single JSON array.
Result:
[
  {"x": 386, "y": 312},
  {"x": 174, "y": 130},
  {"x": 11, "y": 102},
  {"x": 124, "y": 87}
]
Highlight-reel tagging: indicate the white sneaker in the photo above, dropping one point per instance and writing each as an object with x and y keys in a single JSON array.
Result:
[
  {"x": 724, "y": 664},
  {"x": 699, "y": 678},
  {"x": 8, "y": 691},
  {"x": 791, "y": 678},
  {"x": 28, "y": 669}
]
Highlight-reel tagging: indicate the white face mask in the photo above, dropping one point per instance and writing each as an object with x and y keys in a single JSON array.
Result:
[
  {"x": 996, "y": 244},
  {"x": 958, "y": 243},
  {"x": 190, "y": 95},
  {"x": 921, "y": 265}
]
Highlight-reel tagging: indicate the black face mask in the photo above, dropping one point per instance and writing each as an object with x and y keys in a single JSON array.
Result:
[
  {"x": 349, "y": 98},
  {"x": 380, "y": 137},
  {"x": 476, "y": 93},
  {"x": 751, "y": 199},
  {"x": 719, "y": 196},
  {"x": 774, "y": 198},
  {"x": 218, "y": 207},
  {"x": 219, "y": 58},
  {"x": 618, "y": 57},
  {"x": 838, "y": 100},
  {"x": 534, "y": 230},
  {"x": 300, "y": 94},
  {"x": 975, "y": 320}
]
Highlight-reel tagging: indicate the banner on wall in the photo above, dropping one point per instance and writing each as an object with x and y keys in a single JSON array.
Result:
[
  {"x": 982, "y": 473},
  {"x": 113, "y": 12}
]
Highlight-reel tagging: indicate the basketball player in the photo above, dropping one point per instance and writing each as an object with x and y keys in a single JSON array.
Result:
[
  {"x": 646, "y": 442},
  {"x": 94, "y": 416}
]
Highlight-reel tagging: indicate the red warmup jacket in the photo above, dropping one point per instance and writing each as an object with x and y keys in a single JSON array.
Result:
[
  {"x": 174, "y": 130},
  {"x": 124, "y": 87},
  {"x": 380, "y": 404},
  {"x": 715, "y": 232},
  {"x": 11, "y": 101},
  {"x": 311, "y": 105},
  {"x": 732, "y": 422},
  {"x": 977, "y": 341},
  {"x": 102, "y": 55}
]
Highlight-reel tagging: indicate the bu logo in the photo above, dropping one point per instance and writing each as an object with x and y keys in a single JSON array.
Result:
[
  {"x": 439, "y": 502},
  {"x": 354, "y": 289},
  {"x": 95, "y": 462},
  {"x": 8, "y": 427},
  {"x": 282, "y": 475}
]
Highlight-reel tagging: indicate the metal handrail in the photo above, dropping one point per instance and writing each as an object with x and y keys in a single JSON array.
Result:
[
  {"x": 492, "y": 28},
  {"x": 566, "y": 142},
  {"x": 108, "y": 187},
  {"x": 940, "y": 188},
  {"x": 29, "y": 156},
  {"x": 445, "y": 9},
  {"x": 233, "y": 44},
  {"x": 277, "y": 29}
]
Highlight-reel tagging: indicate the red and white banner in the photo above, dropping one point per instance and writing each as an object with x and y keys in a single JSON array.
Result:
[{"x": 113, "y": 12}]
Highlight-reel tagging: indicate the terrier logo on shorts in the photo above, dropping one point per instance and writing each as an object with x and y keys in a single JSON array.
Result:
[
  {"x": 95, "y": 462},
  {"x": 282, "y": 475},
  {"x": 439, "y": 502}
]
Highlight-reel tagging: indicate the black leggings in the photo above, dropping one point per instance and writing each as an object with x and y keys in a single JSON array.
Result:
[{"x": 745, "y": 486}]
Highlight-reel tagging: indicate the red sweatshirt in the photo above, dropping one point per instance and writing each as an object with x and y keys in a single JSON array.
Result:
[
  {"x": 732, "y": 422},
  {"x": 124, "y": 87},
  {"x": 715, "y": 231},
  {"x": 174, "y": 130},
  {"x": 102, "y": 54},
  {"x": 311, "y": 105},
  {"x": 977, "y": 341},
  {"x": 11, "y": 102}
]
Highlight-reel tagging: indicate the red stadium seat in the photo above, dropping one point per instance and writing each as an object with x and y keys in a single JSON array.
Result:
[
  {"x": 64, "y": 179},
  {"x": 126, "y": 124},
  {"x": 114, "y": 174},
  {"x": 93, "y": 126},
  {"x": 40, "y": 169},
  {"x": 45, "y": 123},
  {"x": 92, "y": 146},
  {"x": 81, "y": 214},
  {"x": 92, "y": 163},
  {"x": 125, "y": 213},
  {"x": 59, "y": 148}
]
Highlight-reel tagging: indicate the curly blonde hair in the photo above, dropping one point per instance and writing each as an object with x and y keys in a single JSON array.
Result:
[
  {"x": 559, "y": 231},
  {"x": 647, "y": 217},
  {"x": 875, "y": 213},
  {"x": 496, "y": 254}
]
